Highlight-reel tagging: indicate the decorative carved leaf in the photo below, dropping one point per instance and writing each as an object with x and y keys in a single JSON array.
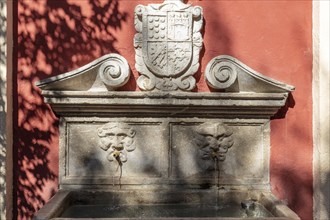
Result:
[{"x": 138, "y": 24}]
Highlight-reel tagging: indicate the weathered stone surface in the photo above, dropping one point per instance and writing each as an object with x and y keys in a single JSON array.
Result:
[
  {"x": 227, "y": 73},
  {"x": 166, "y": 148},
  {"x": 117, "y": 139},
  {"x": 106, "y": 73},
  {"x": 167, "y": 140},
  {"x": 167, "y": 45},
  {"x": 150, "y": 104},
  {"x": 164, "y": 137},
  {"x": 245, "y": 163},
  {"x": 111, "y": 202},
  {"x": 88, "y": 163},
  {"x": 214, "y": 141}
]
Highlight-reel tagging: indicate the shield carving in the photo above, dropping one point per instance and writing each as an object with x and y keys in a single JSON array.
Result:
[{"x": 167, "y": 42}]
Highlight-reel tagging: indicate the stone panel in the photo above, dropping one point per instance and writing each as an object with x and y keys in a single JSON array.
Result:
[
  {"x": 165, "y": 151},
  {"x": 86, "y": 161},
  {"x": 246, "y": 160}
]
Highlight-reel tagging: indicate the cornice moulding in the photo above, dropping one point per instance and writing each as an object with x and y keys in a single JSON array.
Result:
[{"x": 89, "y": 89}]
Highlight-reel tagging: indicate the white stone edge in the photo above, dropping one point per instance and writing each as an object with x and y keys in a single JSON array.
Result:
[
  {"x": 6, "y": 45},
  {"x": 3, "y": 110},
  {"x": 321, "y": 119}
]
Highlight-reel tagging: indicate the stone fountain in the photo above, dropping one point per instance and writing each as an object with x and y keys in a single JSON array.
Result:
[{"x": 165, "y": 152}]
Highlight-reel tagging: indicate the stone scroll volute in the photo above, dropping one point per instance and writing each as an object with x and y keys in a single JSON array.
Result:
[{"x": 167, "y": 45}]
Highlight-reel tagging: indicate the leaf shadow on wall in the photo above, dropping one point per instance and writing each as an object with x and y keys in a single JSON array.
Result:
[
  {"x": 53, "y": 37},
  {"x": 283, "y": 169}
]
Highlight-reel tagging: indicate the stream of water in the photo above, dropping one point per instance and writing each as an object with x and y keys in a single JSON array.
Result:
[{"x": 216, "y": 182}]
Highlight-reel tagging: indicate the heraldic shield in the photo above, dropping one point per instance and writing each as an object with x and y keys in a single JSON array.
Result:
[
  {"x": 168, "y": 41},
  {"x": 167, "y": 45}
]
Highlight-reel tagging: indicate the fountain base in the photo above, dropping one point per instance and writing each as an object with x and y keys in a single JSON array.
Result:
[{"x": 164, "y": 204}]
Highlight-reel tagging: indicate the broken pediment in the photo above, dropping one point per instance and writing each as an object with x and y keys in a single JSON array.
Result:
[
  {"x": 223, "y": 73},
  {"x": 228, "y": 74},
  {"x": 104, "y": 74},
  {"x": 243, "y": 92}
]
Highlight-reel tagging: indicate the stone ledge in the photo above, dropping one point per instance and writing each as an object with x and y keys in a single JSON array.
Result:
[{"x": 260, "y": 105}]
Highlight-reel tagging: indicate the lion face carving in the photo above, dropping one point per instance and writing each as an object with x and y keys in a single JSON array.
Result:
[
  {"x": 216, "y": 139},
  {"x": 117, "y": 139}
]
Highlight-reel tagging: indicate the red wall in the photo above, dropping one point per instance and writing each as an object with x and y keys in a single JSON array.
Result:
[{"x": 55, "y": 36}]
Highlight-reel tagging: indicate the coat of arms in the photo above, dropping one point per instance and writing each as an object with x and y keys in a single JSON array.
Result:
[{"x": 167, "y": 45}]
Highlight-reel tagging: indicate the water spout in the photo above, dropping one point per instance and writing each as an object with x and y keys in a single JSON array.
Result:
[
  {"x": 116, "y": 155},
  {"x": 250, "y": 208}
]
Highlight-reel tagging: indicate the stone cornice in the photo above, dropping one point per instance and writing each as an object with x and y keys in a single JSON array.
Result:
[
  {"x": 245, "y": 93},
  {"x": 224, "y": 105}
]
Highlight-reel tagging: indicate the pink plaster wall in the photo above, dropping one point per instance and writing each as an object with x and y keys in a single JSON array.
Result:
[{"x": 55, "y": 36}]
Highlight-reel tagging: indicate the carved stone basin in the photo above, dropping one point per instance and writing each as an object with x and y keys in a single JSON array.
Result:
[{"x": 165, "y": 204}]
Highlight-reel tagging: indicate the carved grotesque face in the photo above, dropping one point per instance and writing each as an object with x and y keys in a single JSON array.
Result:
[
  {"x": 117, "y": 140},
  {"x": 215, "y": 142},
  {"x": 216, "y": 147}
]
